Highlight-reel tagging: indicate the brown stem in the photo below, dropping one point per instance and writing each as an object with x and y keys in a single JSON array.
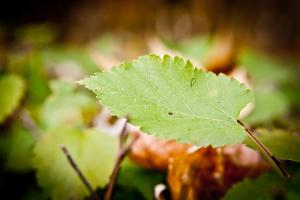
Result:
[
  {"x": 266, "y": 152},
  {"x": 123, "y": 151},
  {"x": 79, "y": 173},
  {"x": 123, "y": 134}
]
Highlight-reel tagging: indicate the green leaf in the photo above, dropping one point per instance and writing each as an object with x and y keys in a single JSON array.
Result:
[
  {"x": 264, "y": 69},
  {"x": 282, "y": 144},
  {"x": 106, "y": 44},
  {"x": 269, "y": 105},
  {"x": 266, "y": 187},
  {"x": 77, "y": 58},
  {"x": 293, "y": 187},
  {"x": 292, "y": 89},
  {"x": 94, "y": 153},
  {"x": 12, "y": 88},
  {"x": 267, "y": 76},
  {"x": 66, "y": 106},
  {"x": 37, "y": 77},
  {"x": 193, "y": 48},
  {"x": 18, "y": 149},
  {"x": 30, "y": 66},
  {"x": 141, "y": 179},
  {"x": 171, "y": 99},
  {"x": 262, "y": 188}
]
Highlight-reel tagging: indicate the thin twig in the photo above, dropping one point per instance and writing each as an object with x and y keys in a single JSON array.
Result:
[
  {"x": 123, "y": 134},
  {"x": 30, "y": 124},
  {"x": 116, "y": 169},
  {"x": 123, "y": 151},
  {"x": 266, "y": 152},
  {"x": 79, "y": 173}
]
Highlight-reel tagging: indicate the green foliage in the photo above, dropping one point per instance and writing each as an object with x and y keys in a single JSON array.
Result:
[
  {"x": 292, "y": 91},
  {"x": 261, "y": 188},
  {"x": 269, "y": 104},
  {"x": 121, "y": 193},
  {"x": 172, "y": 99},
  {"x": 196, "y": 47},
  {"x": 266, "y": 187},
  {"x": 293, "y": 187},
  {"x": 93, "y": 151},
  {"x": 12, "y": 88},
  {"x": 77, "y": 58},
  {"x": 168, "y": 98},
  {"x": 18, "y": 146},
  {"x": 37, "y": 78},
  {"x": 291, "y": 87},
  {"x": 282, "y": 144},
  {"x": 106, "y": 44},
  {"x": 264, "y": 69},
  {"x": 193, "y": 48},
  {"x": 267, "y": 76},
  {"x": 30, "y": 66},
  {"x": 143, "y": 180},
  {"x": 66, "y": 107}
]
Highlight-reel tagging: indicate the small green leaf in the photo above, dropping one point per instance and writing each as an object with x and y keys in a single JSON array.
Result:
[
  {"x": 76, "y": 58},
  {"x": 12, "y": 88},
  {"x": 193, "y": 48},
  {"x": 94, "y": 153},
  {"x": 264, "y": 69},
  {"x": 66, "y": 106},
  {"x": 262, "y": 188},
  {"x": 282, "y": 144},
  {"x": 267, "y": 76},
  {"x": 30, "y": 66},
  {"x": 266, "y": 187},
  {"x": 171, "y": 99},
  {"x": 269, "y": 104},
  {"x": 18, "y": 149}
]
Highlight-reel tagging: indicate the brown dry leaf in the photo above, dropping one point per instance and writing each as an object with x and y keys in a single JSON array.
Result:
[
  {"x": 205, "y": 173},
  {"x": 209, "y": 172},
  {"x": 221, "y": 58},
  {"x": 153, "y": 153}
]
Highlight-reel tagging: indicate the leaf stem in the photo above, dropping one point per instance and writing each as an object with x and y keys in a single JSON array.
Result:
[
  {"x": 123, "y": 134},
  {"x": 267, "y": 153},
  {"x": 79, "y": 173},
  {"x": 123, "y": 151}
]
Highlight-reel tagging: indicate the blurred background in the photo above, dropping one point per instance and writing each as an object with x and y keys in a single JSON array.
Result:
[
  {"x": 271, "y": 25},
  {"x": 45, "y": 46}
]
